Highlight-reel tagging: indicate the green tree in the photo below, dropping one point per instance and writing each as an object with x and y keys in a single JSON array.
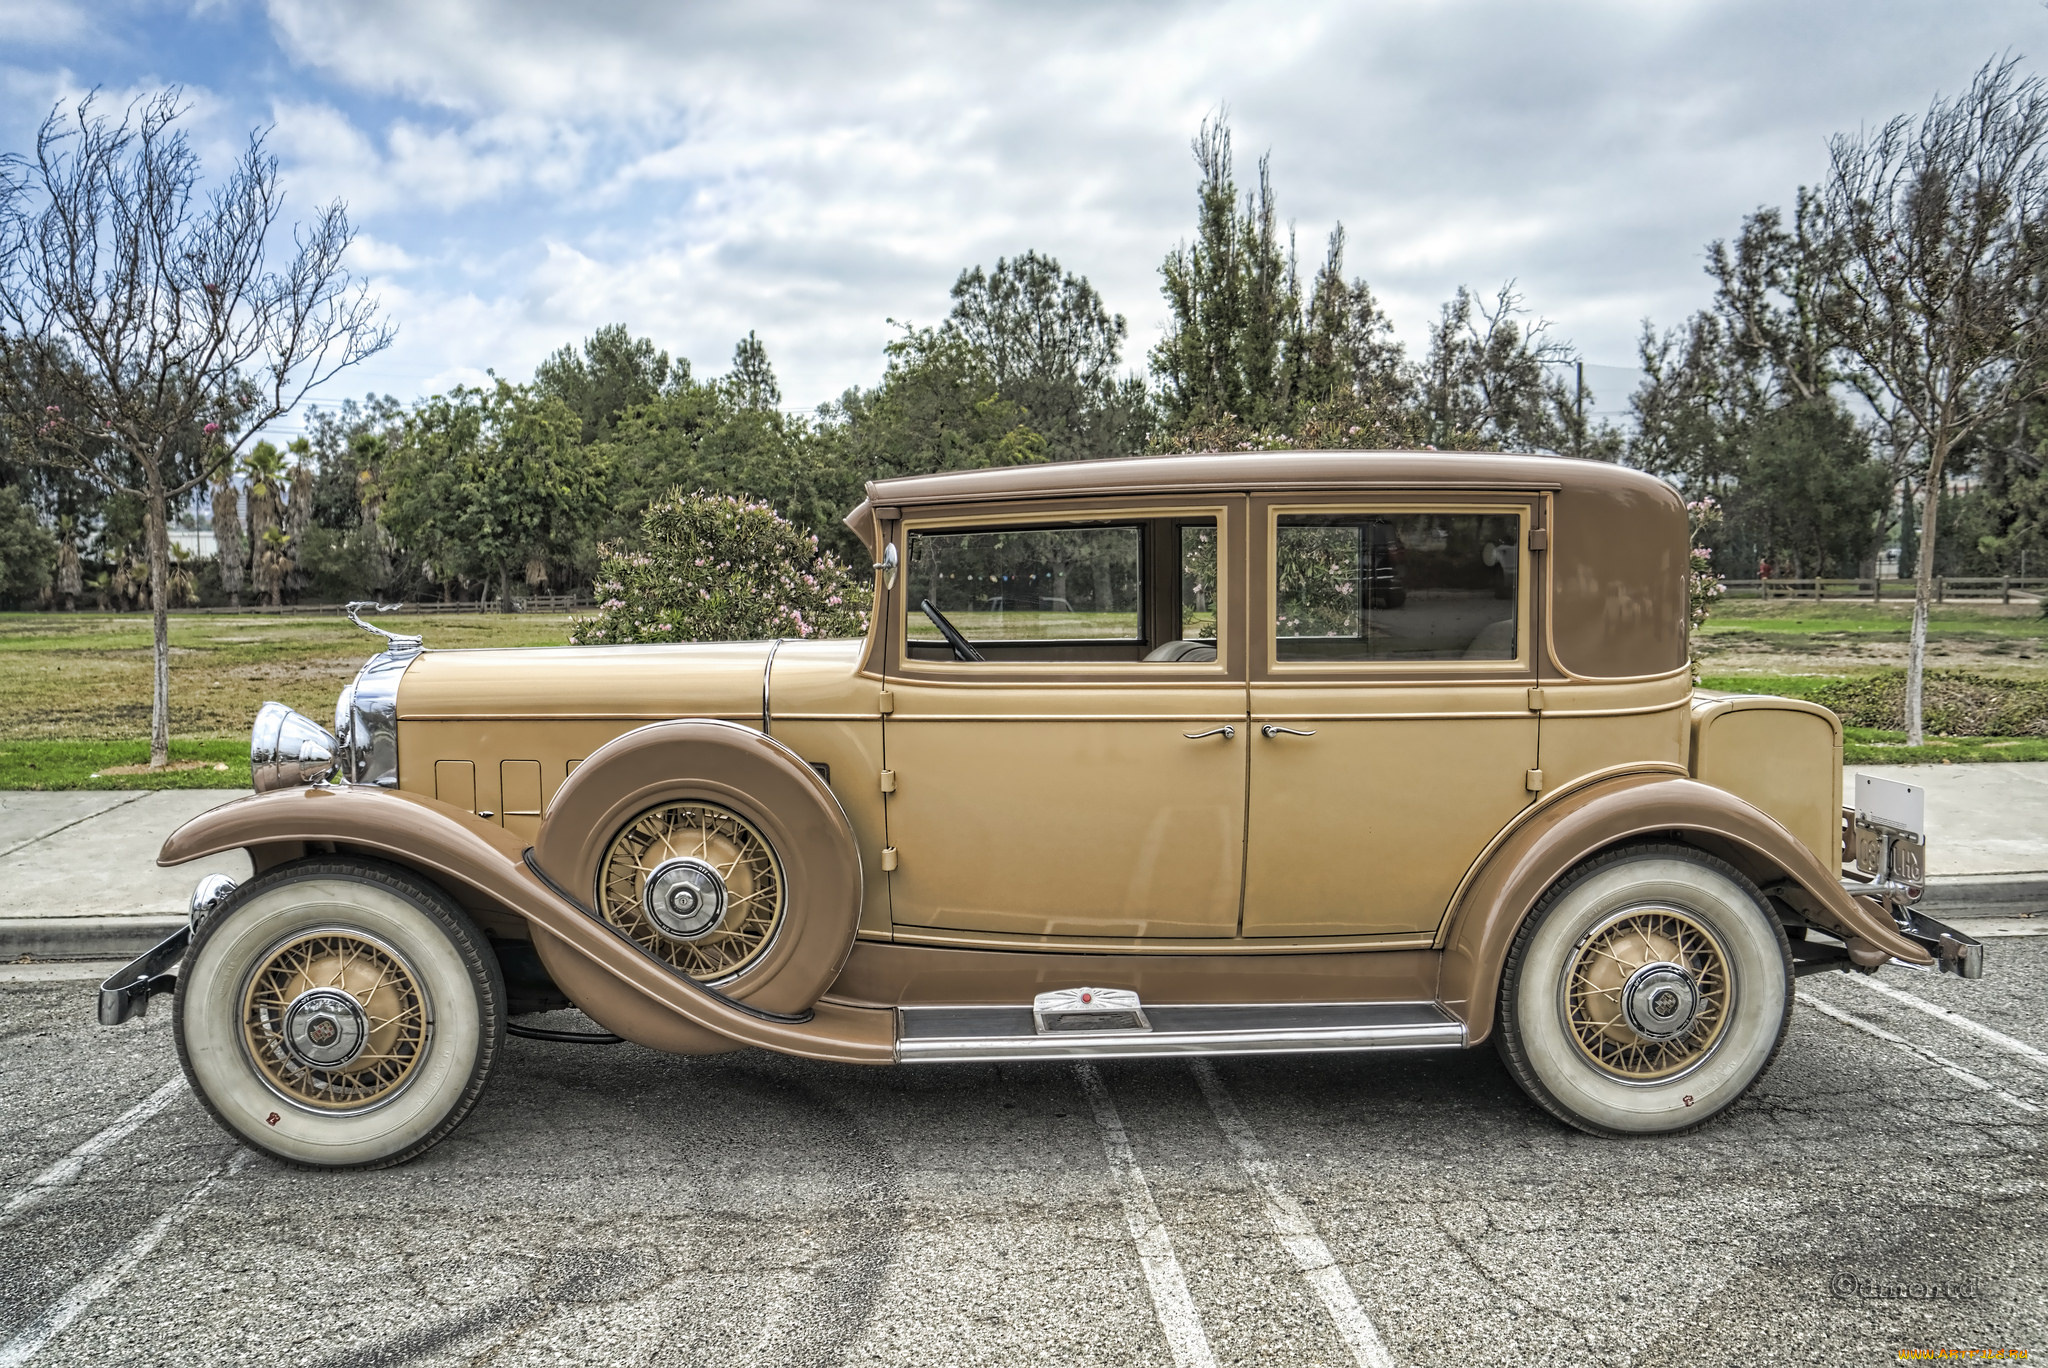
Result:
[
  {"x": 1809, "y": 490},
  {"x": 938, "y": 408},
  {"x": 1346, "y": 352},
  {"x": 1233, "y": 300},
  {"x": 751, "y": 382},
  {"x": 1742, "y": 405},
  {"x": 613, "y": 373},
  {"x": 718, "y": 437},
  {"x": 1053, "y": 348},
  {"x": 715, "y": 567},
  {"x": 28, "y": 553},
  {"x": 485, "y": 482}
]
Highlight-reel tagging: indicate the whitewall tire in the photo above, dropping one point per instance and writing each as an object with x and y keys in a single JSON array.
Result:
[
  {"x": 339, "y": 1013},
  {"x": 1646, "y": 993}
]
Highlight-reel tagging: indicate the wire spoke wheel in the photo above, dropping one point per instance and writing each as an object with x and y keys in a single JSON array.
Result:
[
  {"x": 1647, "y": 994},
  {"x": 695, "y": 885},
  {"x": 335, "y": 1020}
]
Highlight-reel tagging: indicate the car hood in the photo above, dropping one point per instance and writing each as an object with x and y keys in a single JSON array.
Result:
[{"x": 696, "y": 679}]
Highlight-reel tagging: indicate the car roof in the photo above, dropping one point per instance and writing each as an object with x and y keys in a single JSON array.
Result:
[
  {"x": 1253, "y": 470},
  {"x": 1620, "y": 556}
]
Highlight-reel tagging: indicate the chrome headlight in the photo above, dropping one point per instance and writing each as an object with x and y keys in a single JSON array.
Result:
[
  {"x": 366, "y": 721},
  {"x": 287, "y": 749}
]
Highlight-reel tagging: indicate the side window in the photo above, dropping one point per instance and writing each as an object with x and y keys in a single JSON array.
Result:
[
  {"x": 1130, "y": 590},
  {"x": 1028, "y": 584},
  {"x": 1396, "y": 586}
]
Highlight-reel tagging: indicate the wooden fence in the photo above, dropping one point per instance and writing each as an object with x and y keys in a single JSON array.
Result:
[
  {"x": 1972, "y": 588},
  {"x": 529, "y": 603}
]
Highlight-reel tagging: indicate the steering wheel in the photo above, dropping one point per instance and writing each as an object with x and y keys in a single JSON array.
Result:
[{"x": 962, "y": 648}]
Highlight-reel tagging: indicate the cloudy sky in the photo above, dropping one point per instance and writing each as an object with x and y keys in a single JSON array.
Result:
[{"x": 524, "y": 171}]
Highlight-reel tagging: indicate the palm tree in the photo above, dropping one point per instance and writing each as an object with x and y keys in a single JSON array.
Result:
[{"x": 264, "y": 467}]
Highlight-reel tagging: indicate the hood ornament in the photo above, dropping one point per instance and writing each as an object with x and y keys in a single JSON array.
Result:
[{"x": 400, "y": 644}]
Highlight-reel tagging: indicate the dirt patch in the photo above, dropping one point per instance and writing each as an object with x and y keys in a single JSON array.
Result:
[
  {"x": 1773, "y": 653},
  {"x": 172, "y": 768}
]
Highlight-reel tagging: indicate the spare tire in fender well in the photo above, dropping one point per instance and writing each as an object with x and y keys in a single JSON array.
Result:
[{"x": 760, "y": 779}]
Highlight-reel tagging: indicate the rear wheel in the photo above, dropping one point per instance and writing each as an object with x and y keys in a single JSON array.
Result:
[
  {"x": 1647, "y": 992},
  {"x": 339, "y": 1014}
]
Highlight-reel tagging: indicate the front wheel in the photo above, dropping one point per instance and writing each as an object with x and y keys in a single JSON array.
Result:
[
  {"x": 339, "y": 1014},
  {"x": 1647, "y": 992}
]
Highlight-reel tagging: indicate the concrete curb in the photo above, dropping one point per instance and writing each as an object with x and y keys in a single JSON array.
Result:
[
  {"x": 82, "y": 937},
  {"x": 1986, "y": 895}
]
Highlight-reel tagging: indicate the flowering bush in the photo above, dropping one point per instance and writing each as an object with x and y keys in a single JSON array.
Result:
[
  {"x": 1703, "y": 586},
  {"x": 711, "y": 567}
]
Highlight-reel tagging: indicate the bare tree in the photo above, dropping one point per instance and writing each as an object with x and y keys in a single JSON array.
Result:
[
  {"x": 1941, "y": 245},
  {"x": 1486, "y": 377},
  {"x": 148, "y": 331}
]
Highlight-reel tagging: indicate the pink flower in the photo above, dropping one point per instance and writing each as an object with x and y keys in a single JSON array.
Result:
[{"x": 212, "y": 427}]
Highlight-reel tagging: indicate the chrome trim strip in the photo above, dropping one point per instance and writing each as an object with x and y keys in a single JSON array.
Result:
[
  {"x": 1132, "y": 1044},
  {"x": 366, "y": 720},
  {"x": 1427, "y": 1027},
  {"x": 767, "y": 670}
]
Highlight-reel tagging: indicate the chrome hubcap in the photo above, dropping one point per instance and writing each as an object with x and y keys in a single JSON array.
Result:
[
  {"x": 1660, "y": 1001},
  {"x": 685, "y": 898},
  {"x": 325, "y": 1028}
]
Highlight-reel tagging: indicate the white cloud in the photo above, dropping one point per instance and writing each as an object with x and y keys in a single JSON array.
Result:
[
  {"x": 697, "y": 170},
  {"x": 376, "y": 256},
  {"x": 41, "y": 23}
]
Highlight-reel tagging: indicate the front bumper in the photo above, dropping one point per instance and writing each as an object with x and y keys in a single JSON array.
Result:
[{"x": 126, "y": 994}]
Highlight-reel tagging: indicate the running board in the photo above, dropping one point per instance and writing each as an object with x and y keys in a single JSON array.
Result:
[{"x": 985, "y": 1034}]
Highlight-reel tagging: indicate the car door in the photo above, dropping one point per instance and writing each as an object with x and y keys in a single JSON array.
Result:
[
  {"x": 1392, "y": 735},
  {"x": 1086, "y": 778}
]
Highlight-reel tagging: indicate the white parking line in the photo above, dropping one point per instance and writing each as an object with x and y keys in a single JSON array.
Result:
[
  {"x": 1186, "y": 1340},
  {"x": 73, "y": 1303},
  {"x": 1950, "y": 1067},
  {"x": 2034, "y": 1056},
  {"x": 68, "y": 1168},
  {"x": 1296, "y": 1231}
]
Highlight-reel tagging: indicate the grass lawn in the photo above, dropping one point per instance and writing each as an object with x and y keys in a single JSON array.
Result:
[
  {"x": 210, "y": 763},
  {"x": 1868, "y": 746},
  {"x": 86, "y": 676},
  {"x": 74, "y": 687}
]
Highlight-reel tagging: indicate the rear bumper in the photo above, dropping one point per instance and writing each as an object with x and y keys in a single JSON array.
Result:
[{"x": 1954, "y": 952}]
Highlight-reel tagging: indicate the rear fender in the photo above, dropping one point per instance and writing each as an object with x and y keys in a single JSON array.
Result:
[
  {"x": 1577, "y": 824},
  {"x": 604, "y": 974}
]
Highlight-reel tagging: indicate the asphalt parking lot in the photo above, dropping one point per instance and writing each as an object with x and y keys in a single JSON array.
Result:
[{"x": 1883, "y": 1189}]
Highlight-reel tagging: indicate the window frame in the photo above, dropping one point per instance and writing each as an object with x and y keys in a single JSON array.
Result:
[
  {"x": 1227, "y": 512},
  {"x": 1265, "y": 648}
]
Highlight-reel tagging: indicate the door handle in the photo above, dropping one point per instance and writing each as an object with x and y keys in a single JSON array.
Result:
[
  {"x": 1226, "y": 732},
  {"x": 1269, "y": 731}
]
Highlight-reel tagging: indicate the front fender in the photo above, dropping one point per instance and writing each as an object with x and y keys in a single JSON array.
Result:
[
  {"x": 1553, "y": 838},
  {"x": 609, "y": 978}
]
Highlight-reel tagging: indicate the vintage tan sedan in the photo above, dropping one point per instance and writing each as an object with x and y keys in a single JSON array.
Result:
[{"x": 1214, "y": 754}]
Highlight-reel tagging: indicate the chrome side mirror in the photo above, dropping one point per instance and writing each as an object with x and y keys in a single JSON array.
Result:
[{"x": 887, "y": 565}]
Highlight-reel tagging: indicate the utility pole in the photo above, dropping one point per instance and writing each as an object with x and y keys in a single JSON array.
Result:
[
  {"x": 1579, "y": 412},
  {"x": 1578, "y": 406}
]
